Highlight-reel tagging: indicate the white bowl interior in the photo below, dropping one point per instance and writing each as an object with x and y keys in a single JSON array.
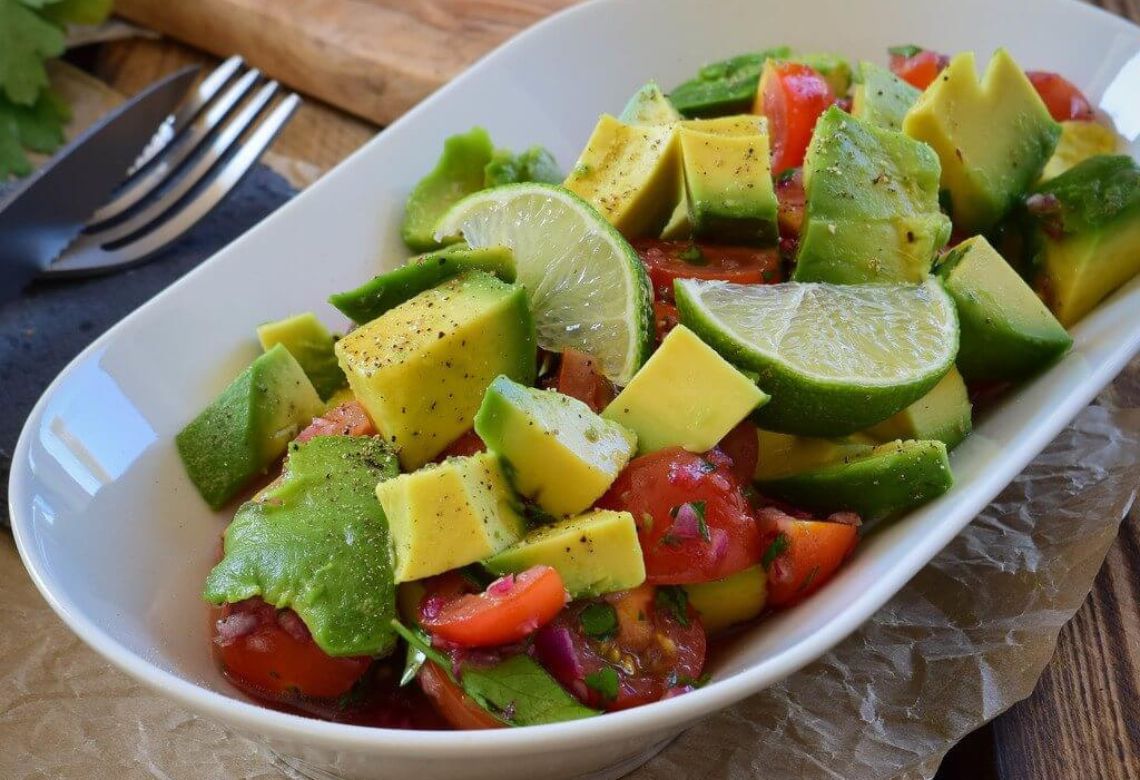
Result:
[{"x": 116, "y": 536}]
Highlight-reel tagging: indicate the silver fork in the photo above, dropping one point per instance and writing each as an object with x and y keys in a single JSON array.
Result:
[{"x": 197, "y": 157}]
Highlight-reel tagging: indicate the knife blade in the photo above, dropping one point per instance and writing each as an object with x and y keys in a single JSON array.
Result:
[{"x": 48, "y": 210}]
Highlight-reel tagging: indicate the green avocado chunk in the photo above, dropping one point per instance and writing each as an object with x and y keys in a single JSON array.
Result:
[
  {"x": 248, "y": 426},
  {"x": 389, "y": 290},
  {"x": 317, "y": 542},
  {"x": 311, "y": 343},
  {"x": 559, "y": 453},
  {"x": 725, "y": 87},
  {"x": 943, "y": 414},
  {"x": 1006, "y": 332},
  {"x": 882, "y": 98},
  {"x": 871, "y": 205},
  {"x": 887, "y": 480},
  {"x": 535, "y": 164},
  {"x": 461, "y": 171},
  {"x": 728, "y": 186},
  {"x": 1085, "y": 234},
  {"x": 649, "y": 106}
]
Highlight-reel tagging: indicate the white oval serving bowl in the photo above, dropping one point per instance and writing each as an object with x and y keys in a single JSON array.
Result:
[{"x": 118, "y": 541}]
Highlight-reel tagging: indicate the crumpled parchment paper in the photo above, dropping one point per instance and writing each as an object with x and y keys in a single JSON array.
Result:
[{"x": 967, "y": 638}]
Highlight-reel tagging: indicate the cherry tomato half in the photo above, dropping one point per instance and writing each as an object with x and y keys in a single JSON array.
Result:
[
  {"x": 790, "y": 198},
  {"x": 655, "y": 647},
  {"x": 804, "y": 554},
  {"x": 579, "y": 377},
  {"x": 1063, "y": 99},
  {"x": 693, "y": 522},
  {"x": 667, "y": 261},
  {"x": 742, "y": 446},
  {"x": 268, "y": 652},
  {"x": 792, "y": 96},
  {"x": 511, "y": 608},
  {"x": 919, "y": 69},
  {"x": 348, "y": 419},
  {"x": 456, "y": 707}
]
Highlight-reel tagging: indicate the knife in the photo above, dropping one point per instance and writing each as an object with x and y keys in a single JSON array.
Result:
[{"x": 50, "y": 208}]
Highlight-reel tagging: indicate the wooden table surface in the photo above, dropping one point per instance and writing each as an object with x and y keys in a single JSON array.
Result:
[{"x": 1082, "y": 721}]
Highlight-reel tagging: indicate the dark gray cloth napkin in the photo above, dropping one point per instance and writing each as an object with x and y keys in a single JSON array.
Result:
[{"x": 53, "y": 321}]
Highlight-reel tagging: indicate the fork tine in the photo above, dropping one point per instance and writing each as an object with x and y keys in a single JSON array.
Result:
[
  {"x": 87, "y": 256},
  {"x": 145, "y": 184},
  {"x": 194, "y": 102},
  {"x": 196, "y": 173}
]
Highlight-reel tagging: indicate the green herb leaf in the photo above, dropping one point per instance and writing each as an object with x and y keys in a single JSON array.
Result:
[
  {"x": 413, "y": 662},
  {"x": 693, "y": 255},
  {"x": 26, "y": 40},
  {"x": 599, "y": 620},
  {"x": 419, "y": 640},
  {"x": 521, "y": 693},
  {"x": 909, "y": 50},
  {"x": 777, "y": 548},
  {"x": 77, "y": 11},
  {"x": 673, "y": 599},
  {"x": 605, "y": 681}
]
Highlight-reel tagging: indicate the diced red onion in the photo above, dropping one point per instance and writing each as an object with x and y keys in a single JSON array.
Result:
[
  {"x": 502, "y": 586},
  {"x": 555, "y": 648},
  {"x": 846, "y": 518},
  {"x": 686, "y": 523},
  {"x": 234, "y": 626},
  {"x": 293, "y": 625}
]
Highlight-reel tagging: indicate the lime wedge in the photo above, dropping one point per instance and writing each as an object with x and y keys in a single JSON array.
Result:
[
  {"x": 835, "y": 358},
  {"x": 587, "y": 289}
]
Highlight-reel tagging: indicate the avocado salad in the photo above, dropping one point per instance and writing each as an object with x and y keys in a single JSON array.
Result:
[{"x": 605, "y": 417}]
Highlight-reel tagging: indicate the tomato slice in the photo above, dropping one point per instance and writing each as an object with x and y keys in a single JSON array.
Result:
[
  {"x": 655, "y": 647},
  {"x": 665, "y": 318},
  {"x": 1062, "y": 97},
  {"x": 792, "y": 96},
  {"x": 742, "y": 446},
  {"x": 791, "y": 199},
  {"x": 348, "y": 419},
  {"x": 456, "y": 707},
  {"x": 667, "y": 261},
  {"x": 694, "y": 523},
  {"x": 467, "y": 444},
  {"x": 578, "y": 377},
  {"x": 269, "y": 653},
  {"x": 917, "y": 67},
  {"x": 511, "y": 608},
  {"x": 804, "y": 554}
]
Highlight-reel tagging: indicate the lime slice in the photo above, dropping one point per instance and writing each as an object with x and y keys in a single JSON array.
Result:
[
  {"x": 834, "y": 358},
  {"x": 587, "y": 289}
]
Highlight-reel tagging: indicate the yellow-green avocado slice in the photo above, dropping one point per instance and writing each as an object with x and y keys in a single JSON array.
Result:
[
  {"x": 420, "y": 369},
  {"x": 308, "y": 340},
  {"x": 448, "y": 515},
  {"x": 943, "y": 414}
]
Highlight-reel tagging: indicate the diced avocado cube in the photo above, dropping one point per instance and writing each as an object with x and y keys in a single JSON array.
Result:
[
  {"x": 784, "y": 454},
  {"x": 595, "y": 553},
  {"x": 993, "y": 137},
  {"x": 889, "y": 479},
  {"x": 448, "y": 515},
  {"x": 728, "y": 187},
  {"x": 535, "y": 164},
  {"x": 872, "y": 210},
  {"x": 389, "y": 290},
  {"x": 1085, "y": 234},
  {"x": 420, "y": 369},
  {"x": 559, "y": 454},
  {"x": 834, "y": 68},
  {"x": 630, "y": 174},
  {"x": 686, "y": 395},
  {"x": 459, "y": 172},
  {"x": 881, "y": 98},
  {"x": 317, "y": 542},
  {"x": 311, "y": 343},
  {"x": 732, "y": 600},
  {"x": 649, "y": 106},
  {"x": 248, "y": 426},
  {"x": 1006, "y": 332},
  {"x": 1080, "y": 140},
  {"x": 725, "y": 87},
  {"x": 943, "y": 414}
]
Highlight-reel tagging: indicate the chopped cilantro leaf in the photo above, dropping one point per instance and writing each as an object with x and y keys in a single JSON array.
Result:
[
  {"x": 693, "y": 255},
  {"x": 674, "y": 599},
  {"x": 599, "y": 620},
  {"x": 605, "y": 681},
  {"x": 777, "y": 548},
  {"x": 909, "y": 50}
]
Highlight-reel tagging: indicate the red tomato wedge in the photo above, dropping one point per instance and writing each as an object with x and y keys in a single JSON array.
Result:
[
  {"x": 456, "y": 707},
  {"x": 693, "y": 522},
  {"x": 665, "y": 318},
  {"x": 742, "y": 446},
  {"x": 792, "y": 96},
  {"x": 467, "y": 444},
  {"x": 803, "y": 554},
  {"x": 1062, "y": 97},
  {"x": 667, "y": 261},
  {"x": 511, "y": 608},
  {"x": 790, "y": 198},
  {"x": 269, "y": 652},
  {"x": 348, "y": 419},
  {"x": 578, "y": 377},
  {"x": 918, "y": 67}
]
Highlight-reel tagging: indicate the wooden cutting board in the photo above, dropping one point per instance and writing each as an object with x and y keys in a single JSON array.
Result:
[{"x": 373, "y": 58}]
